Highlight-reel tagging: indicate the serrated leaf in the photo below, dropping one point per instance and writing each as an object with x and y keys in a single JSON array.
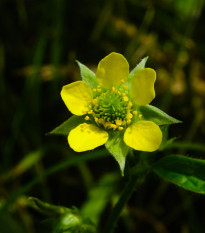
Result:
[
  {"x": 118, "y": 149},
  {"x": 138, "y": 67},
  {"x": 67, "y": 126},
  {"x": 183, "y": 171},
  {"x": 151, "y": 113},
  {"x": 88, "y": 75}
]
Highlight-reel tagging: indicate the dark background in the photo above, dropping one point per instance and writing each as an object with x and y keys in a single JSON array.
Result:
[{"x": 39, "y": 43}]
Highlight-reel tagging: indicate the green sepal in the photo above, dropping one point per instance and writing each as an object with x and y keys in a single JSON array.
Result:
[
  {"x": 88, "y": 75},
  {"x": 73, "y": 222},
  {"x": 185, "y": 172},
  {"x": 138, "y": 67},
  {"x": 117, "y": 148},
  {"x": 68, "y": 125},
  {"x": 154, "y": 114}
]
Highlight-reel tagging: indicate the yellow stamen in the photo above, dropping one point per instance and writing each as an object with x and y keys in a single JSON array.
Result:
[
  {"x": 130, "y": 105},
  {"x": 96, "y": 119},
  {"x": 107, "y": 124},
  {"x": 113, "y": 126},
  {"x": 118, "y": 122},
  {"x": 122, "y": 81},
  {"x": 87, "y": 118},
  {"x": 125, "y": 98},
  {"x": 113, "y": 88},
  {"x": 120, "y": 128},
  {"x": 140, "y": 116},
  {"x": 98, "y": 86},
  {"x": 134, "y": 112},
  {"x": 101, "y": 121},
  {"x": 129, "y": 116},
  {"x": 125, "y": 87},
  {"x": 94, "y": 89},
  {"x": 128, "y": 121},
  {"x": 90, "y": 112},
  {"x": 95, "y": 101}
]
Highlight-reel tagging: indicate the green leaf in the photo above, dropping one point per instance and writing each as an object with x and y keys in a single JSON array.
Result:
[
  {"x": 88, "y": 75},
  {"x": 138, "y": 67},
  {"x": 67, "y": 125},
  {"x": 183, "y": 171},
  {"x": 99, "y": 196},
  {"x": 151, "y": 113},
  {"x": 118, "y": 149}
]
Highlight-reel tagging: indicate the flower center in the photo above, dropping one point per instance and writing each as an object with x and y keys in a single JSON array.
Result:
[{"x": 112, "y": 109}]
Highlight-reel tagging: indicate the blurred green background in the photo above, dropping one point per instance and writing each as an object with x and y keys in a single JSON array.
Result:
[{"x": 39, "y": 43}]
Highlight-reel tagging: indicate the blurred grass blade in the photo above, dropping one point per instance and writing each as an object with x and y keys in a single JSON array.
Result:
[
  {"x": 187, "y": 146},
  {"x": 93, "y": 155}
]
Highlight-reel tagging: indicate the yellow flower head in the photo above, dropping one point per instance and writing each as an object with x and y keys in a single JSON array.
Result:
[{"x": 112, "y": 102}]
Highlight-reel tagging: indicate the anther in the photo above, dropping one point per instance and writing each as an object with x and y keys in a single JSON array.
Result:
[
  {"x": 125, "y": 87},
  {"x": 120, "y": 128},
  {"x": 128, "y": 121},
  {"x": 94, "y": 89},
  {"x": 90, "y": 112},
  {"x": 95, "y": 101},
  {"x": 130, "y": 105},
  {"x": 125, "y": 98},
  {"x": 140, "y": 116},
  {"x": 113, "y": 126},
  {"x": 113, "y": 88},
  {"x": 118, "y": 122},
  {"x": 87, "y": 118},
  {"x": 122, "y": 81},
  {"x": 134, "y": 112},
  {"x": 98, "y": 86},
  {"x": 101, "y": 121}
]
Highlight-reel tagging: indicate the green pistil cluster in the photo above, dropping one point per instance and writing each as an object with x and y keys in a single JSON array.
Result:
[{"x": 110, "y": 107}]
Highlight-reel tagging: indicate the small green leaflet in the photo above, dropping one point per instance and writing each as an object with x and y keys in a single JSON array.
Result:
[
  {"x": 67, "y": 125},
  {"x": 118, "y": 149},
  {"x": 87, "y": 75},
  {"x": 151, "y": 113},
  {"x": 183, "y": 171}
]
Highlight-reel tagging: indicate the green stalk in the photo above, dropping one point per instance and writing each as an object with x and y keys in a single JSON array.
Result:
[{"x": 130, "y": 187}]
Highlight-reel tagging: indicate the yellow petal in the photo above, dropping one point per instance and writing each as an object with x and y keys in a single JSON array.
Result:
[
  {"x": 77, "y": 96},
  {"x": 86, "y": 137},
  {"x": 144, "y": 136},
  {"x": 111, "y": 70},
  {"x": 142, "y": 89}
]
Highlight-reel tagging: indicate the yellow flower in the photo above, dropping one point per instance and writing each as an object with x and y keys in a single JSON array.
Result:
[{"x": 112, "y": 105}]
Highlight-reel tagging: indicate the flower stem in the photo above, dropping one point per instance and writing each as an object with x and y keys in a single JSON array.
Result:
[{"x": 127, "y": 192}]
